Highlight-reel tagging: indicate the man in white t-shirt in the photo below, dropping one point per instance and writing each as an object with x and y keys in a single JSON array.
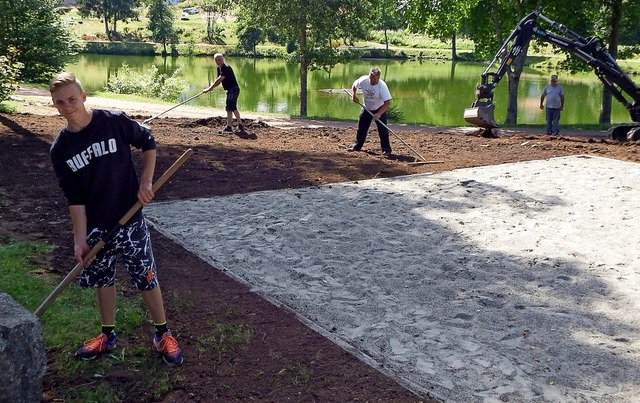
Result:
[
  {"x": 554, "y": 95},
  {"x": 377, "y": 100}
]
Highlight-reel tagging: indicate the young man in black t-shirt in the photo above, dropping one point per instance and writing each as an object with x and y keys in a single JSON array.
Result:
[{"x": 93, "y": 163}]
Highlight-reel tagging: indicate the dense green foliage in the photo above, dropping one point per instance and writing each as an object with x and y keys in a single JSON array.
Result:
[
  {"x": 151, "y": 85},
  {"x": 9, "y": 72},
  {"x": 42, "y": 44},
  {"x": 439, "y": 19},
  {"x": 249, "y": 38},
  {"x": 489, "y": 24},
  {"x": 314, "y": 34}
]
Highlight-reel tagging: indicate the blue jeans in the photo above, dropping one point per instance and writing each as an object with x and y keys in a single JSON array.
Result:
[{"x": 553, "y": 120}]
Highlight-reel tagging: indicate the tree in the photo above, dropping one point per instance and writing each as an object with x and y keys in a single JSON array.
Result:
[
  {"x": 489, "y": 28},
  {"x": 489, "y": 23},
  {"x": 249, "y": 38},
  {"x": 111, "y": 11},
  {"x": 441, "y": 19},
  {"x": 629, "y": 32},
  {"x": 214, "y": 9},
  {"x": 485, "y": 23},
  {"x": 312, "y": 25},
  {"x": 161, "y": 23},
  {"x": 615, "y": 18},
  {"x": 42, "y": 44},
  {"x": 605, "y": 20},
  {"x": 389, "y": 20},
  {"x": 9, "y": 71},
  {"x": 616, "y": 15}
]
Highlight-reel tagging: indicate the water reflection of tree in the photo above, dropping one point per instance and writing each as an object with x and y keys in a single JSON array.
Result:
[{"x": 311, "y": 30}]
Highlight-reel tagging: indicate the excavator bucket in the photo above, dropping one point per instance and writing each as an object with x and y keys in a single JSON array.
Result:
[{"x": 481, "y": 114}]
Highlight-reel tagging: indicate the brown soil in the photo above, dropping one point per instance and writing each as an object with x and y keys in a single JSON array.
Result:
[{"x": 199, "y": 296}]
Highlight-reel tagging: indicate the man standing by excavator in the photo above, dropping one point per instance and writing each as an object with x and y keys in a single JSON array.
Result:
[{"x": 554, "y": 94}]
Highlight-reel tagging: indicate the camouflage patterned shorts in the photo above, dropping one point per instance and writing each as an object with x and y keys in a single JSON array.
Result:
[{"x": 133, "y": 243}]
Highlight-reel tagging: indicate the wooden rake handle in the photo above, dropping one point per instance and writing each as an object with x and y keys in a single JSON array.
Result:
[
  {"x": 172, "y": 108},
  {"x": 109, "y": 235},
  {"x": 389, "y": 129}
]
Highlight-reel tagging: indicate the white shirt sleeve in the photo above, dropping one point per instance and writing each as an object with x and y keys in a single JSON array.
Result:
[{"x": 385, "y": 94}]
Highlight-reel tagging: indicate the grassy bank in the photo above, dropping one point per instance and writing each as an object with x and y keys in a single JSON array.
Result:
[
  {"x": 134, "y": 39},
  {"x": 72, "y": 318}
]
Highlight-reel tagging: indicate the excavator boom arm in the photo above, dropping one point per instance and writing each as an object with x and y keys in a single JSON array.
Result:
[{"x": 590, "y": 51}]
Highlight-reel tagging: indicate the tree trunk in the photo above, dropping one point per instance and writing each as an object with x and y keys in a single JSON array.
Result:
[
  {"x": 386, "y": 39},
  {"x": 614, "y": 38},
  {"x": 605, "y": 109},
  {"x": 515, "y": 71},
  {"x": 495, "y": 19},
  {"x": 106, "y": 27},
  {"x": 304, "y": 66},
  {"x": 514, "y": 79},
  {"x": 303, "y": 88},
  {"x": 454, "y": 54}
]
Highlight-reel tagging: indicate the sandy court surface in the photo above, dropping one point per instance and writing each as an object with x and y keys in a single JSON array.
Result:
[{"x": 515, "y": 282}]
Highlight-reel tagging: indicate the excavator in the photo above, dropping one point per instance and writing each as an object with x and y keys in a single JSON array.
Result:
[{"x": 591, "y": 51}]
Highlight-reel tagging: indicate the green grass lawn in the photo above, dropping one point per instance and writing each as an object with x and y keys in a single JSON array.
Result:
[
  {"x": 194, "y": 30},
  {"x": 70, "y": 319}
]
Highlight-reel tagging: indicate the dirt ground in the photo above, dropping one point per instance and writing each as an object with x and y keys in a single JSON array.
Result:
[{"x": 197, "y": 295}]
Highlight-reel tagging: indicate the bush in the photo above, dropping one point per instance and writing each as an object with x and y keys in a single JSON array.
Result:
[
  {"x": 395, "y": 114},
  {"x": 150, "y": 85},
  {"x": 9, "y": 71},
  {"x": 120, "y": 48}
]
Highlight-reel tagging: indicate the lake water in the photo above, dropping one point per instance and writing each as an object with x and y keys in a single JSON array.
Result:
[{"x": 425, "y": 92}]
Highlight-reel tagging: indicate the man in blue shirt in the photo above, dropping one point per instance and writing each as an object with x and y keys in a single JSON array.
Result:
[{"x": 554, "y": 95}]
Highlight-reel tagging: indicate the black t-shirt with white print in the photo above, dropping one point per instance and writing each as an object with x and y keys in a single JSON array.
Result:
[{"x": 94, "y": 166}]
